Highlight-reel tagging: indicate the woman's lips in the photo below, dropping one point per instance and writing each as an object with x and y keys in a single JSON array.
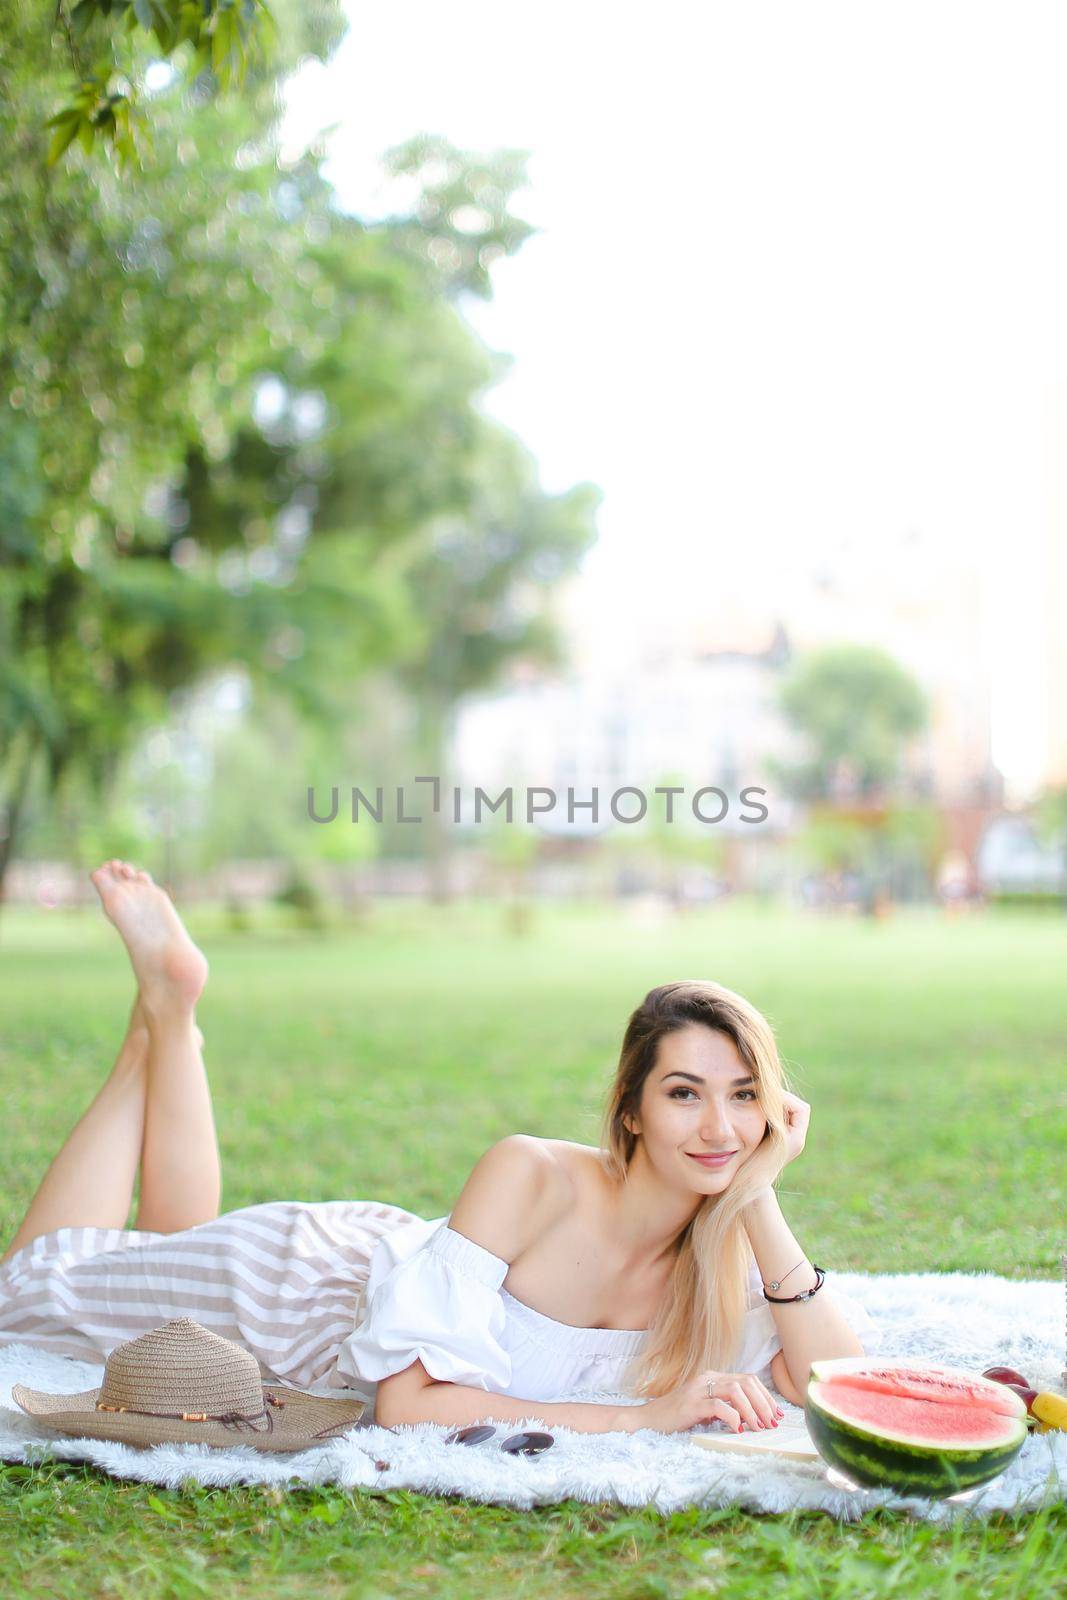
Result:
[{"x": 712, "y": 1161}]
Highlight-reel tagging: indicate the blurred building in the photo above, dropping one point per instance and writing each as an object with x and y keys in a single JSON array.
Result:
[
  {"x": 693, "y": 709},
  {"x": 1012, "y": 858},
  {"x": 694, "y": 695}
]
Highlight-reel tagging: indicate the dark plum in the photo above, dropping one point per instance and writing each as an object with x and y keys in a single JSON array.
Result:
[
  {"x": 1029, "y": 1395},
  {"x": 1006, "y": 1375}
]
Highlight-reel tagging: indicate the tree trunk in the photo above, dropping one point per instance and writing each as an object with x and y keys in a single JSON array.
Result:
[
  {"x": 11, "y": 811},
  {"x": 434, "y": 722}
]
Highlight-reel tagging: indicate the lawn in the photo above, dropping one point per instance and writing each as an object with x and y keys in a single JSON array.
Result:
[{"x": 378, "y": 1062}]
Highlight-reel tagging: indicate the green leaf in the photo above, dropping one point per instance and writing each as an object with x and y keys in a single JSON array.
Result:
[
  {"x": 63, "y": 138},
  {"x": 266, "y": 37},
  {"x": 82, "y": 16},
  {"x": 222, "y": 36}
]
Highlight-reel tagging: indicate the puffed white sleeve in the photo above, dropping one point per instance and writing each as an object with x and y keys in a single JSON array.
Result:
[
  {"x": 441, "y": 1306},
  {"x": 760, "y": 1342}
]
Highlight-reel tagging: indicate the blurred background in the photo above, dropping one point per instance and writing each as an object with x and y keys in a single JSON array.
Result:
[{"x": 438, "y": 394}]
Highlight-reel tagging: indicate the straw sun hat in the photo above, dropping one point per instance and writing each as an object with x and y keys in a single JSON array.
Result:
[{"x": 184, "y": 1384}]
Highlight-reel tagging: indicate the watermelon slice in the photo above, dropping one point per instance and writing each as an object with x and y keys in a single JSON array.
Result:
[
  {"x": 926, "y": 1381},
  {"x": 918, "y": 1428}
]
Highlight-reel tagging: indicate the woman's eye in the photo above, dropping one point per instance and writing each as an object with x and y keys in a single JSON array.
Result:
[{"x": 674, "y": 1093}]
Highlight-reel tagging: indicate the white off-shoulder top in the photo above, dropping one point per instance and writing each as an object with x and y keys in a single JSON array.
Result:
[{"x": 435, "y": 1296}]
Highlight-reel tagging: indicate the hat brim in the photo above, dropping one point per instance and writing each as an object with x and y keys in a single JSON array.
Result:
[{"x": 296, "y": 1422}]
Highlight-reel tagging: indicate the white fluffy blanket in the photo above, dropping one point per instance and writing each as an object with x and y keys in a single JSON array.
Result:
[{"x": 966, "y": 1320}]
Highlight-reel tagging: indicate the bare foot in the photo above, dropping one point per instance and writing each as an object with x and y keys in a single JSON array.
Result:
[{"x": 170, "y": 969}]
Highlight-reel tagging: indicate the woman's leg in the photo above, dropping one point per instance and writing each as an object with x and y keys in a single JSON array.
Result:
[
  {"x": 156, "y": 1105},
  {"x": 90, "y": 1182},
  {"x": 180, "y": 1175}
]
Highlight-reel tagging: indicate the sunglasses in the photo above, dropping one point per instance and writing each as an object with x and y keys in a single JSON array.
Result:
[{"x": 519, "y": 1444}]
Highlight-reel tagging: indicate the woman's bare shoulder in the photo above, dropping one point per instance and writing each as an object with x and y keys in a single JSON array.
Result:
[
  {"x": 520, "y": 1185},
  {"x": 562, "y": 1155},
  {"x": 580, "y": 1162},
  {"x": 574, "y": 1164}
]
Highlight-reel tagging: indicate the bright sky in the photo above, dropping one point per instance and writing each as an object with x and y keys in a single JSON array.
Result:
[{"x": 800, "y": 280}]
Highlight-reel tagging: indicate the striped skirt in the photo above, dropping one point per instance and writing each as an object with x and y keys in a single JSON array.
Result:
[{"x": 284, "y": 1279}]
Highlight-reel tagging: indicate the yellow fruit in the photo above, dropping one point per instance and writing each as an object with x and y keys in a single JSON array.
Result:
[{"x": 1050, "y": 1409}]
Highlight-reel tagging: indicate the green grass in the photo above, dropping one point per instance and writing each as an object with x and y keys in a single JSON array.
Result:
[{"x": 378, "y": 1063}]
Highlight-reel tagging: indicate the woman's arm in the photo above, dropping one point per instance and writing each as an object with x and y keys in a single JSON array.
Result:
[
  {"x": 810, "y": 1330},
  {"x": 413, "y": 1396},
  {"x": 783, "y": 1382}
]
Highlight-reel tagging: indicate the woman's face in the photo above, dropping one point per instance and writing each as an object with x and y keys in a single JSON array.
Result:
[{"x": 694, "y": 1103}]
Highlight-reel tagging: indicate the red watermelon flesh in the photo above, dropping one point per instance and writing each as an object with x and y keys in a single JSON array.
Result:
[
  {"x": 893, "y": 1415},
  {"x": 928, "y": 1383}
]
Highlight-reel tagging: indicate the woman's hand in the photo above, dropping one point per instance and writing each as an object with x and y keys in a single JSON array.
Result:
[
  {"x": 769, "y": 1166},
  {"x": 735, "y": 1398},
  {"x": 797, "y": 1117}
]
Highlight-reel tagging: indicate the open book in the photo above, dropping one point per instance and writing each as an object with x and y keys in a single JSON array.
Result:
[{"x": 790, "y": 1439}]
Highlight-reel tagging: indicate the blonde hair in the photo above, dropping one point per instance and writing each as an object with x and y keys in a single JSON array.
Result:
[{"x": 698, "y": 1326}]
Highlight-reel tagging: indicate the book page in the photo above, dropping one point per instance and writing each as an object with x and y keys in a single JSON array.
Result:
[{"x": 788, "y": 1439}]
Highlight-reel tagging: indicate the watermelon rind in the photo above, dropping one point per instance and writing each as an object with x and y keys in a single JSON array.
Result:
[{"x": 888, "y": 1459}]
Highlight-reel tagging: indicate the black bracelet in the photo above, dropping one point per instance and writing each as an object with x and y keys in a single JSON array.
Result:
[{"x": 787, "y": 1299}]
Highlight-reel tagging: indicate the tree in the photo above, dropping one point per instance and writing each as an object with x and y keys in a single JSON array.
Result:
[
  {"x": 235, "y": 417},
  {"x": 213, "y": 43},
  {"x": 481, "y": 590},
  {"x": 855, "y": 709},
  {"x": 462, "y": 224}
]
